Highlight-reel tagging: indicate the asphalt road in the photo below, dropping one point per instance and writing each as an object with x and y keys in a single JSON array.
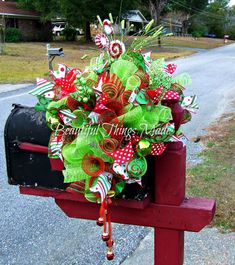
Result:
[{"x": 35, "y": 231}]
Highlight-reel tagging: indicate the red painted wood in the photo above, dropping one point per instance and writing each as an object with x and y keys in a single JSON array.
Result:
[
  {"x": 186, "y": 217},
  {"x": 56, "y": 164},
  {"x": 34, "y": 148},
  {"x": 192, "y": 215},
  {"x": 170, "y": 190},
  {"x": 170, "y": 213},
  {"x": 63, "y": 195},
  {"x": 170, "y": 173},
  {"x": 169, "y": 246}
]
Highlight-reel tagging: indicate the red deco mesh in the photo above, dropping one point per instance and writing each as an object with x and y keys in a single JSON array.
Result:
[
  {"x": 125, "y": 97},
  {"x": 115, "y": 106},
  {"x": 109, "y": 145},
  {"x": 72, "y": 103},
  {"x": 93, "y": 166},
  {"x": 112, "y": 87},
  {"x": 143, "y": 77}
]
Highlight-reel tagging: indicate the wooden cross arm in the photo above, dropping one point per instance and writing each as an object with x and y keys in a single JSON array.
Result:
[{"x": 192, "y": 215}]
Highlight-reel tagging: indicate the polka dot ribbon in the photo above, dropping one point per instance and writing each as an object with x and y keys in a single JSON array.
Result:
[
  {"x": 169, "y": 95},
  {"x": 170, "y": 68},
  {"x": 123, "y": 155},
  {"x": 158, "y": 149}
]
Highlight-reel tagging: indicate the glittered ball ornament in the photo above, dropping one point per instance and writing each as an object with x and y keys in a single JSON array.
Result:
[
  {"x": 101, "y": 41},
  {"x": 143, "y": 147},
  {"x": 137, "y": 167},
  {"x": 116, "y": 49},
  {"x": 108, "y": 28}
]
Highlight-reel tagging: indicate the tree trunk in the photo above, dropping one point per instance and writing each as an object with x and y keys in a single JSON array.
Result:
[
  {"x": 88, "y": 32},
  {"x": 155, "y": 10}
]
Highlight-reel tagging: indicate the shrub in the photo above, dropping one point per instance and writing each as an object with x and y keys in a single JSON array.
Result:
[
  {"x": 197, "y": 34},
  {"x": 231, "y": 32},
  {"x": 197, "y": 29},
  {"x": 70, "y": 33},
  {"x": 12, "y": 35}
]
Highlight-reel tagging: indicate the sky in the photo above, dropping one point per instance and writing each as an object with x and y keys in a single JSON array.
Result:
[{"x": 232, "y": 2}]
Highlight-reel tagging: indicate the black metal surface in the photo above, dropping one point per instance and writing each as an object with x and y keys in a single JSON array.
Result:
[{"x": 24, "y": 124}]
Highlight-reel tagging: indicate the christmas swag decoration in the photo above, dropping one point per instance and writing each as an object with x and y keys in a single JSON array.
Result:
[{"x": 107, "y": 118}]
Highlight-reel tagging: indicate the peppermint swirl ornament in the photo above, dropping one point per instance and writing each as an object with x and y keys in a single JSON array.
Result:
[
  {"x": 108, "y": 28},
  {"x": 101, "y": 41},
  {"x": 116, "y": 48}
]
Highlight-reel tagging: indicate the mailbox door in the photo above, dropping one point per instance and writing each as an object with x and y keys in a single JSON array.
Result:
[{"x": 24, "y": 124}]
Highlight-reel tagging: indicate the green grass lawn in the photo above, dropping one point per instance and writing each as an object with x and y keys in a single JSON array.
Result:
[
  {"x": 215, "y": 176},
  {"x": 202, "y": 43},
  {"x": 189, "y": 42},
  {"x": 23, "y": 62}
]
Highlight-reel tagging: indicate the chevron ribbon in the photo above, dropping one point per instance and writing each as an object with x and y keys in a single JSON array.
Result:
[
  {"x": 102, "y": 184},
  {"x": 43, "y": 86},
  {"x": 55, "y": 146},
  {"x": 190, "y": 103}
]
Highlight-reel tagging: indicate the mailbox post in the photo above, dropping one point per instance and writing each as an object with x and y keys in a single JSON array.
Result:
[
  {"x": 168, "y": 211},
  {"x": 170, "y": 190},
  {"x": 165, "y": 208},
  {"x": 52, "y": 53}
]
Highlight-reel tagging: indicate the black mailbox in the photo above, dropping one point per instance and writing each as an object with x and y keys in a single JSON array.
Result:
[{"x": 24, "y": 167}]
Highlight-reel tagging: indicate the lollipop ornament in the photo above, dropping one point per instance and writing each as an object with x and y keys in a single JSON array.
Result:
[
  {"x": 116, "y": 49},
  {"x": 108, "y": 28},
  {"x": 102, "y": 41}
]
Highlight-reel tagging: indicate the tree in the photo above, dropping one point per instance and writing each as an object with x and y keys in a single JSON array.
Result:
[
  {"x": 156, "y": 8},
  {"x": 215, "y": 17},
  {"x": 191, "y": 7},
  {"x": 47, "y": 8},
  {"x": 84, "y": 12},
  {"x": 159, "y": 7},
  {"x": 79, "y": 13}
]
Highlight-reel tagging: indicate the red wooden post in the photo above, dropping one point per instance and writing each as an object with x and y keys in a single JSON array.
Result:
[
  {"x": 169, "y": 190},
  {"x": 169, "y": 213}
]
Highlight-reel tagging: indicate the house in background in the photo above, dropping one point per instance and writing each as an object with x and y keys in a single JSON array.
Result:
[
  {"x": 136, "y": 18},
  {"x": 28, "y": 22},
  {"x": 176, "y": 23},
  {"x": 173, "y": 22}
]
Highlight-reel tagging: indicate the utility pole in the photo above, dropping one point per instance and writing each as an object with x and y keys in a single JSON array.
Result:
[
  {"x": 2, "y": 35},
  {"x": 171, "y": 31},
  {"x": 2, "y": 39}
]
